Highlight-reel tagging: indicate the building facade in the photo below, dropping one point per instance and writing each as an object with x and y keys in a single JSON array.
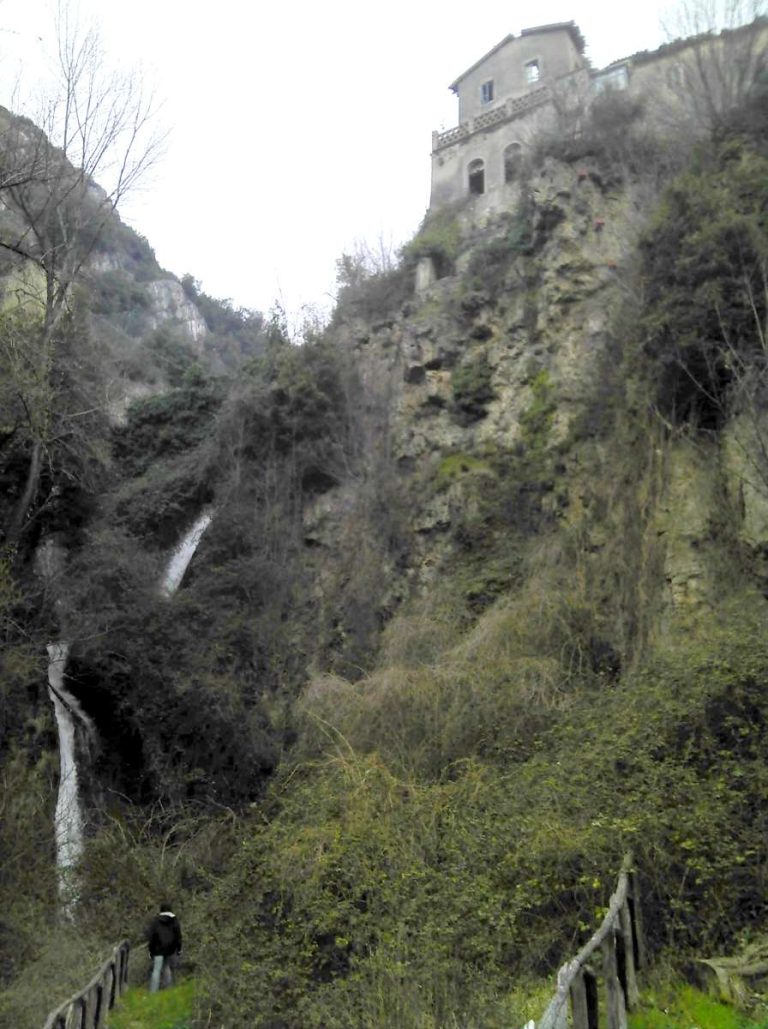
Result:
[
  {"x": 500, "y": 97},
  {"x": 511, "y": 95}
]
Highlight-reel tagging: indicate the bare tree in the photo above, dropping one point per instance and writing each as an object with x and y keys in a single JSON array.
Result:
[
  {"x": 60, "y": 182},
  {"x": 722, "y": 52}
]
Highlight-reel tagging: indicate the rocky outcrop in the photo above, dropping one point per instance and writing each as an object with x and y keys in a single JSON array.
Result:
[
  {"x": 459, "y": 368},
  {"x": 170, "y": 304}
]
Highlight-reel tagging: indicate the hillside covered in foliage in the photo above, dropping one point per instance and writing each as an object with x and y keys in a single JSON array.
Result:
[{"x": 481, "y": 608}]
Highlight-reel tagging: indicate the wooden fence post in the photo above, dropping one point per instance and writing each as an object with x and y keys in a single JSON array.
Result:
[
  {"x": 109, "y": 985},
  {"x": 125, "y": 952},
  {"x": 88, "y": 1008},
  {"x": 616, "y": 1014},
  {"x": 593, "y": 1004},
  {"x": 636, "y": 914},
  {"x": 584, "y": 1000},
  {"x": 632, "y": 992},
  {"x": 579, "y": 1003}
]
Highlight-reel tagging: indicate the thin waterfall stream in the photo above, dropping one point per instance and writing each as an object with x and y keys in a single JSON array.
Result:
[
  {"x": 77, "y": 733},
  {"x": 68, "y": 819},
  {"x": 184, "y": 552}
]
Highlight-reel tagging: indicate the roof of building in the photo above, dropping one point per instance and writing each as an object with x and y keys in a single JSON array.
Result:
[
  {"x": 674, "y": 46},
  {"x": 569, "y": 26}
]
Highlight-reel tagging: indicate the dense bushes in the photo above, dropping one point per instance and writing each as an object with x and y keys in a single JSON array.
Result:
[
  {"x": 370, "y": 288},
  {"x": 165, "y": 459},
  {"x": 471, "y": 388},
  {"x": 133, "y": 251},
  {"x": 237, "y": 333},
  {"x": 438, "y": 238},
  {"x": 351, "y": 846},
  {"x": 172, "y": 685},
  {"x": 166, "y": 425},
  {"x": 704, "y": 269},
  {"x": 376, "y": 898},
  {"x": 203, "y": 682},
  {"x": 609, "y": 129},
  {"x": 490, "y": 261},
  {"x": 123, "y": 298}
]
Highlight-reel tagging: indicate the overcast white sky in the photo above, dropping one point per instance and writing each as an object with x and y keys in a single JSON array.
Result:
[{"x": 298, "y": 127}]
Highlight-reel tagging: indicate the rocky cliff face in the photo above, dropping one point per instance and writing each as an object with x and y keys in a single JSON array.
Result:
[
  {"x": 529, "y": 347},
  {"x": 170, "y": 305}
]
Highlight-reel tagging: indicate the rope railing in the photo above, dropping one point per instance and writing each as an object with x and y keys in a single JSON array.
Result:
[
  {"x": 88, "y": 1008},
  {"x": 619, "y": 951}
]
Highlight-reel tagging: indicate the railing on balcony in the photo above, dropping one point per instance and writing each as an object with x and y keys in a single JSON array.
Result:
[{"x": 513, "y": 107}]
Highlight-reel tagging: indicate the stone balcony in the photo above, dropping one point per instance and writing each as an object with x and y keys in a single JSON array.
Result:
[{"x": 511, "y": 108}]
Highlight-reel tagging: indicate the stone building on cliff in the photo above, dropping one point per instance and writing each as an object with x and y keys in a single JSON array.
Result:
[{"x": 518, "y": 89}]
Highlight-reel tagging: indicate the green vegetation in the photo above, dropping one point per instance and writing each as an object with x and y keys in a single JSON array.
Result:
[
  {"x": 134, "y": 253},
  {"x": 175, "y": 355},
  {"x": 238, "y": 333},
  {"x": 456, "y": 819},
  {"x": 120, "y": 295},
  {"x": 54, "y": 450},
  {"x": 490, "y": 261},
  {"x": 371, "y": 286},
  {"x": 455, "y": 466},
  {"x": 173, "y": 1008},
  {"x": 439, "y": 237},
  {"x": 682, "y": 1007},
  {"x": 165, "y": 425},
  {"x": 704, "y": 261},
  {"x": 471, "y": 387},
  {"x": 55, "y": 960},
  {"x": 611, "y": 132},
  {"x": 537, "y": 419}
]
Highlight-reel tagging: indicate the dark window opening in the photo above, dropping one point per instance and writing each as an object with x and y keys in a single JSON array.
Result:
[
  {"x": 476, "y": 178},
  {"x": 486, "y": 92},
  {"x": 513, "y": 155},
  {"x": 532, "y": 72}
]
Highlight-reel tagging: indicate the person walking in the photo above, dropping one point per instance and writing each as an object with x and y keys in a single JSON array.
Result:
[{"x": 164, "y": 937}]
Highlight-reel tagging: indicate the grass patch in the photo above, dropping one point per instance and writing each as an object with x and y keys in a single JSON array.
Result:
[
  {"x": 455, "y": 466},
  {"x": 684, "y": 1007},
  {"x": 168, "y": 1009}
]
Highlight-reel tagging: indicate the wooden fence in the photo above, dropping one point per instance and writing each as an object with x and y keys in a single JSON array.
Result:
[
  {"x": 614, "y": 953},
  {"x": 88, "y": 1008}
]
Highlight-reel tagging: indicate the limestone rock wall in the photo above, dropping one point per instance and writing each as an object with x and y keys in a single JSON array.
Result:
[
  {"x": 554, "y": 309},
  {"x": 171, "y": 304}
]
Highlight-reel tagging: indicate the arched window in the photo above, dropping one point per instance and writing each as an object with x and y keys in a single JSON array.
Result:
[
  {"x": 476, "y": 172},
  {"x": 513, "y": 156}
]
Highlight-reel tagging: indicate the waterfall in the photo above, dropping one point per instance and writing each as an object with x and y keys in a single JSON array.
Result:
[
  {"x": 72, "y": 721},
  {"x": 68, "y": 820},
  {"x": 183, "y": 554}
]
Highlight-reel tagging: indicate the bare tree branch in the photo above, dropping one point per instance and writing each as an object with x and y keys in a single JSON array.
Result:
[{"x": 61, "y": 181}]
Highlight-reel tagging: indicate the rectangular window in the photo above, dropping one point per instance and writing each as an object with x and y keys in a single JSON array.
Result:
[
  {"x": 616, "y": 78},
  {"x": 486, "y": 92},
  {"x": 532, "y": 72}
]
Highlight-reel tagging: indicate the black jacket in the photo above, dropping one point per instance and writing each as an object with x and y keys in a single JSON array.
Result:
[{"x": 164, "y": 935}]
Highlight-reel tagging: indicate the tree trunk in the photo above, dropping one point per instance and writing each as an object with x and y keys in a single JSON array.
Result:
[{"x": 24, "y": 503}]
